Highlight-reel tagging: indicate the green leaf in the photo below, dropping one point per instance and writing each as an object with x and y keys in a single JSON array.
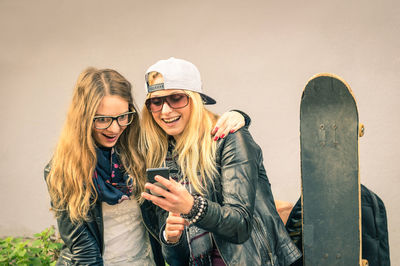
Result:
[
  {"x": 35, "y": 251},
  {"x": 17, "y": 240},
  {"x": 55, "y": 246},
  {"x": 36, "y": 261},
  {"x": 51, "y": 230},
  {"x": 13, "y": 254},
  {"x": 22, "y": 253},
  {"x": 21, "y": 245},
  {"x": 3, "y": 259},
  {"x": 37, "y": 243},
  {"x": 43, "y": 249},
  {"x": 22, "y": 261}
]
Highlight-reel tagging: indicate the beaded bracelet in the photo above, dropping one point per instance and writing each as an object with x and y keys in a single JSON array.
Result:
[
  {"x": 202, "y": 211},
  {"x": 198, "y": 211},
  {"x": 193, "y": 211}
]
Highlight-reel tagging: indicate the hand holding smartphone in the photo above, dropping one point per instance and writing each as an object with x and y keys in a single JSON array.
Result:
[{"x": 152, "y": 172}]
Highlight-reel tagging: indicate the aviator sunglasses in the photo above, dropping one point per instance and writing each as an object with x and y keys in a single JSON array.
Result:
[{"x": 175, "y": 101}]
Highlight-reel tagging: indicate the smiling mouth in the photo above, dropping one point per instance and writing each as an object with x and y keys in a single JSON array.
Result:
[
  {"x": 170, "y": 120},
  {"x": 109, "y": 137}
]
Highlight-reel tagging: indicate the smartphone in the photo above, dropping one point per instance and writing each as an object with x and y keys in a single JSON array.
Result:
[{"x": 152, "y": 172}]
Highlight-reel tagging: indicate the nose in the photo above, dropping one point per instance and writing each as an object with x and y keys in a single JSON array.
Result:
[
  {"x": 166, "y": 108},
  {"x": 114, "y": 127}
]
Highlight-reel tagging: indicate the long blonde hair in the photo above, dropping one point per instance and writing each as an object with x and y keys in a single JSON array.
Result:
[
  {"x": 195, "y": 148},
  {"x": 70, "y": 179}
]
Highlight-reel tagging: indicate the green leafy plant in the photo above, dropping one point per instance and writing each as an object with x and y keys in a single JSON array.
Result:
[{"x": 42, "y": 249}]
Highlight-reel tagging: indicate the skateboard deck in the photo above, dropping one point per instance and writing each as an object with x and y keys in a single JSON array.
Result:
[{"x": 329, "y": 131}]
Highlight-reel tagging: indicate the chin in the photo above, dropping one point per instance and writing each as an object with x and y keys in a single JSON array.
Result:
[
  {"x": 107, "y": 144},
  {"x": 173, "y": 132}
]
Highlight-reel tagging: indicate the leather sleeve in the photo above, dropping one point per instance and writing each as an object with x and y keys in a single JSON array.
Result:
[
  {"x": 231, "y": 219},
  {"x": 175, "y": 254},
  {"x": 80, "y": 241},
  {"x": 294, "y": 224},
  {"x": 247, "y": 119},
  {"x": 78, "y": 238}
]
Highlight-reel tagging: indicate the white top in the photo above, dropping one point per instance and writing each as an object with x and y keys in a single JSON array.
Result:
[{"x": 126, "y": 241}]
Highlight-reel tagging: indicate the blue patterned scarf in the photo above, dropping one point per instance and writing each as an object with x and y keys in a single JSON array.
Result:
[{"x": 109, "y": 177}]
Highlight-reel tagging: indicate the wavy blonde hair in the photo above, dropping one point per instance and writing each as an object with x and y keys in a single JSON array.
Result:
[
  {"x": 70, "y": 180},
  {"x": 195, "y": 148}
]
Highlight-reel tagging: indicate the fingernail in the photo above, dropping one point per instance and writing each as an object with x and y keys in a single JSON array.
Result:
[
  {"x": 216, "y": 138},
  {"x": 223, "y": 135},
  {"x": 232, "y": 130}
]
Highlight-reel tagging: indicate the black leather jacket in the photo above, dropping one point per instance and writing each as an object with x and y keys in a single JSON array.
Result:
[
  {"x": 83, "y": 242},
  {"x": 241, "y": 216}
]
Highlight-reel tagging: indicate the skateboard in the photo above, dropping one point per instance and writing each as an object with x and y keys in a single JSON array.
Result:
[{"x": 329, "y": 132}]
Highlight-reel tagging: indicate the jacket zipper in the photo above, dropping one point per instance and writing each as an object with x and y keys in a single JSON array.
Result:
[
  {"x": 102, "y": 231},
  {"x": 261, "y": 238},
  {"x": 148, "y": 230}
]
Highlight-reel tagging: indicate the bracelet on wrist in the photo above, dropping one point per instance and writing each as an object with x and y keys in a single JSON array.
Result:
[
  {"x": 198, "y": 211},
  {"x": 193, "y": 210}
]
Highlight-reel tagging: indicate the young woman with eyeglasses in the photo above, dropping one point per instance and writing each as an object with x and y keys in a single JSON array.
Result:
[
  {"x": 95, "y": 171},
  {"x": 217, "y": 207}
]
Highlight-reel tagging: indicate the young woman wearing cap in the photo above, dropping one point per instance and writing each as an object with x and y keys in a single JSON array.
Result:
[
  {"x": 217, "y": 207},
  {"x": 95, "y": 170}
]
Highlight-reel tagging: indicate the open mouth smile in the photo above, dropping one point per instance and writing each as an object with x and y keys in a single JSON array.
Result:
[
  {"x": 170, "y": 120},
  {"x": 111, "y": 138}
]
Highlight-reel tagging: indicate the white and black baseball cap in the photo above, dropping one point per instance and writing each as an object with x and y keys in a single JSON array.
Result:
[{"x": 177, "y": 74}]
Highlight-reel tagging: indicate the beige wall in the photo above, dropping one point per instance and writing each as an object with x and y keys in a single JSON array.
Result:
[{"x": 253, "y": 55}]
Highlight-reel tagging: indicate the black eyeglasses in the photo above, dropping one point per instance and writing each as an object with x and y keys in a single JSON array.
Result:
[
  {"x": 175, "y": 101},
  {"x": 104, "y": 122}
]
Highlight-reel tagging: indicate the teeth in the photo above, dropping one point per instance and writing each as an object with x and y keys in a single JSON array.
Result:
[{"x": 171, "y": 119}]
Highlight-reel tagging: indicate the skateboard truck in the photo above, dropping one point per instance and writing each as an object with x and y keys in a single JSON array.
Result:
[{"x": 361, "y": 130}]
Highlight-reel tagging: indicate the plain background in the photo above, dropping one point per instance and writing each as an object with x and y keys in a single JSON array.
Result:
[{"x": 255, "y": 56}]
